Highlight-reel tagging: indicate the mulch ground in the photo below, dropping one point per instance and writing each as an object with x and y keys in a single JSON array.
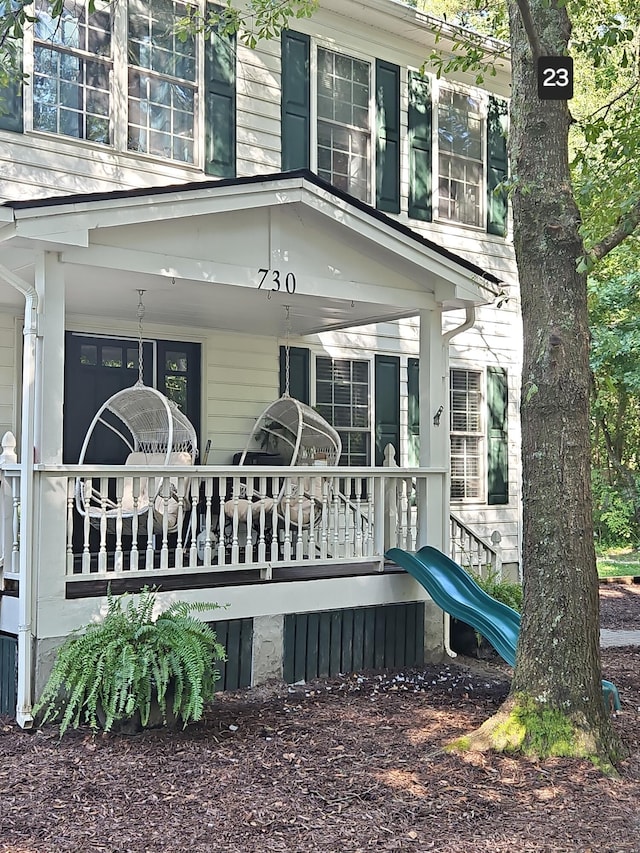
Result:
[{"x": 352, "y": 764}]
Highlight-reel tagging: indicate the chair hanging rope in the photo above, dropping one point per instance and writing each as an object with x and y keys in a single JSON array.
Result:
[
  {"x": 287, "y": 353},
  {"x": 141, "y": 312}
]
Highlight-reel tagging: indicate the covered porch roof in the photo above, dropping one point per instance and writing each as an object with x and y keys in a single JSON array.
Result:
[{"x": 228, "y": 254}]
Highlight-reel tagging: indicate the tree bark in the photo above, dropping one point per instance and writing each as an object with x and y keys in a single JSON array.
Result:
[{"x": 558, "y": 658}]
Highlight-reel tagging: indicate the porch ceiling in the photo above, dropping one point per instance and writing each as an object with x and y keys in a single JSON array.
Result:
[{"x": 213, "y": 305}]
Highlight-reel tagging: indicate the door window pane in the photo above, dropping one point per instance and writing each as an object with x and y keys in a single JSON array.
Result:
[
  {"x": 111, "y": 356},
  {"x": 88, "y": 354}
]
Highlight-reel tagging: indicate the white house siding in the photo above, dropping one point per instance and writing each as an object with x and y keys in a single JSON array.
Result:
[
  {"x": 242, "y": 379},
  {"x": 258, "y": 109}
]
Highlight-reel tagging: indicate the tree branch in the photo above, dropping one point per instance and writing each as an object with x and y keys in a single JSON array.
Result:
[
  {"x": 530, "y": 28},
  {"x": 627, "y": 223}
]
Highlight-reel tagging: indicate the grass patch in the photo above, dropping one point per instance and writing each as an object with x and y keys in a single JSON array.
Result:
[{"x": 618, "y": 562}]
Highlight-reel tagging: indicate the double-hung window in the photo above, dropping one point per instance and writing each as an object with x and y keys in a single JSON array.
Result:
[
  {"x": 118, "y": 74},
  {"x": 344, "y": 122},
  {"x": 466, "y": 435},
  {"x": 162, "y": 81},
  {"x": 72, "y": 69},
  {"x": 342, "y": 398},
  {"x": 460, "y": 157}
]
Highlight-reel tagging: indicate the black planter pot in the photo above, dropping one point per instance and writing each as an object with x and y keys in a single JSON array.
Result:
[
  {"x": 132, "y": 724},
  {"x": 464, "y": 640}
]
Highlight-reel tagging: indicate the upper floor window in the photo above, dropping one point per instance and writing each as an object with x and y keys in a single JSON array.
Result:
[
  {"x": 117, "y": 74},
  {"x": 460, "y": 157},
  {"x": 344, "y": 124},
  {"x": 71, "y": 71},
  {"x": 162, "y": 81}
]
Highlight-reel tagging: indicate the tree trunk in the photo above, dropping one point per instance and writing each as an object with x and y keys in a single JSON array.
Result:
[{"x": 558, "y": 659}]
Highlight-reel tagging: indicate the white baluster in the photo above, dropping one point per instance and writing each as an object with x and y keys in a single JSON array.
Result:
[
  {"x": 180, "y": 497},
  {"x": 117, "y": 557},
  {"x": 193, "y": 522},
  {"x": 348, "y": 519},
  {"x": 324, "y": 529},
  {"x": 286, "y": 544},
  {"x": 149, "y": 562},
  {"x": 336, "y": 518},
  {"x": 358, "y": 518},
  {"x": 248, "y": 548},
  {"x": 208, "y": 496},
  {"x": 311, "y": 538},
  {"x": 134, "y": 554},
  {"x": 262, "y": 493},
  {"x": 299, "y": 516},
  {"x": 87, "y": 485},
  {"x": 70, "y": 500},
  {"x": 102, "y": 553},
  {"x": 235, "y": 547},
  {"x": 165, "y": 494},
  {"x": 368, "y": 543}
]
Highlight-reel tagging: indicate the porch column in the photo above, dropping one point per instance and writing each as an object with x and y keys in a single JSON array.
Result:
[
  {"x": 50, "y": 287},
  {"x": 50, "y": 493},
  {"x": 433, "y": 502}
]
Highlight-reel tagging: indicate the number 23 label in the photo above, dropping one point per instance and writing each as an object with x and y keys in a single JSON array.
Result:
[{"x": 555, "y": 78}]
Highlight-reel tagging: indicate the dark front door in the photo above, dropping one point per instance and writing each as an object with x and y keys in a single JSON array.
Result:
[{"x": 96, "y": 368}]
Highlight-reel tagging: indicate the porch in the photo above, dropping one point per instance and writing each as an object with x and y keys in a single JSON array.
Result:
[{"x": 201, "y": 254}]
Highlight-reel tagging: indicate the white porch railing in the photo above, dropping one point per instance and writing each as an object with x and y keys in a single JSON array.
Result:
[
  {"x": 229, "y": 518},
  {"x": 471, "y": 551},
  {"x": 9, "y": 509}
]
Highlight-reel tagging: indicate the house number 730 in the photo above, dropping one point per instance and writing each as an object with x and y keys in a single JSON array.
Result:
[{"x": 277, "y": 280}]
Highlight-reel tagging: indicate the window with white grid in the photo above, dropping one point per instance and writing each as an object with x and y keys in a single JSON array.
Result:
[
  {"x": 466, "y": 436},
  {"x": 344, "y": 122},
  {"x": 460, "y": 158},
  {"x": 162, "y": 81},
  {"x": 342, "y": 398},
  {"x": 72, "y": 69}
]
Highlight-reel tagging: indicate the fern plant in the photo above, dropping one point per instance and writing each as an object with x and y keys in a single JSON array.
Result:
[
  {"x": 129, "y": 663},
  {"x": 507, "y": 592}
]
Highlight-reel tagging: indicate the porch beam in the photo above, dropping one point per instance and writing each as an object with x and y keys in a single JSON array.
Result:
[{"x": 210, "y": 272}]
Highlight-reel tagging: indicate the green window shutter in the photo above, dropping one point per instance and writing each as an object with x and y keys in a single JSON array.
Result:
[
  {"x": 420, "y": 147},
  {"x": 220, "y": 106},
  {"x": 413, "y": 403},
  {"x": 387, "y": 402},
  {"x": 387, "y": 137},
  {"x": 296, "y": 101},
  {"x": 11, "y": 112},
  {"x": 497, "y": 443},
  {"x": 497, "y": 165},
  {"x": 299, "y": 373}
]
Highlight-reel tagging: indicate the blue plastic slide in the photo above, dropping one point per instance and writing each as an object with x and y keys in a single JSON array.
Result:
[{"x": 457, "y": 593}]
